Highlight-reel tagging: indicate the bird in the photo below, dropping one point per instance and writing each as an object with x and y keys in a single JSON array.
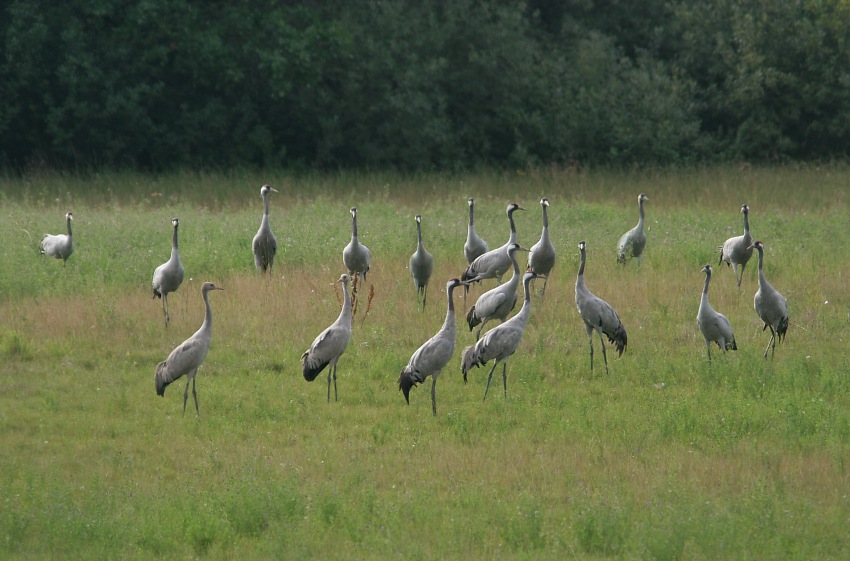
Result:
[
  {"x": 770, "y": 306},
  {"x": 189, "y": 355},
  {"x": 264, "y": 244},
  {"x": 631, "y": 243},
  {"x": 168, "y": 276},
  {"x": 433, "y": 355},
  {"x": 599, "y": 315},
  {"x": 497, "y": 302},
  {"x": 356, "y": 256},
  {"x": 421, "y": 265},
  {"x": 738, "y": 250},
  {"x": 542, "y": 256},
  {"x": 495, "y": 263},
  {"x": 714, "y": 326},
  {"x": 60, "y": 246},
  {"x": 474, "y": 246},
  {"x": 330, "y": 344},
  {"x": 501, "y": 342}
]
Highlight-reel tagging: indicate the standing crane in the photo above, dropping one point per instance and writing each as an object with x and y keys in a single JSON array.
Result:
[
  {"x": 168, "y": 276},
  {"x": 60, "y": 246},
  {"x": 714, "y": 326},
  {"x": 421, "y": 266},
  {"x": 599, "y": 315},
  {"x": 474, "y": 246},
  {"x": 189, "y": 355},
  {"x": 433, "y": 355},
  {"x": 542, "y": 256},
  {"x": 770, "y": 305},
  {"x": 495, "y": 263},
  {"x": 264, "y": 245},
  {"x": 738, "y": 250},
  {"x": 631, "y": 243},
  {"x": 356, "y": 256},
  {"x": 501, "y": 342},
  {"x": 330, "y": 344},
  {"x": 497, "y": 302}
]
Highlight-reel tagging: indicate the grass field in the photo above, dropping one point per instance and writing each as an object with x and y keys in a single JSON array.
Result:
[{"x": 663, "y": 458}]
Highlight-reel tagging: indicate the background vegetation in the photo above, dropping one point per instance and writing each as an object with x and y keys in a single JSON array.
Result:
[
  {"x": 665, "y": 458},
  {"x": 163, "y": 84}
]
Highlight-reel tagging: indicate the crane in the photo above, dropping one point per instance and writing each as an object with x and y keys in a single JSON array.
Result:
[
  {"x": 433, "y": 355},
  {"x": 714, "y": 326},
  {"x": 168, "y": 276},
  {"x": 501, "y": 342},
  {"x": 330, "y": 344},
  {"x": 189, "y": 355},
  {"x": 60, "y": 246},
  {"x": 738, "y": 250},
  {"x": 631, "y": 243},
  {"x": 542, "y": 256},
  {"x": 474, "y": 246},
  {"x": 356, "y": 256},
  {"x": 497, "y": 302},
  {"x": 495, "y": 263},
  {"x": 599, "y": 315},
  {"x": 264, "y": 244},
  {"x": 421, "y": 266},
  {"x": 770, "y": 306}
]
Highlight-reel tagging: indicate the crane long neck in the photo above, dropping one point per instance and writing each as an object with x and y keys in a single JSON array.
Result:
[
  {"x": 746, "y": 222},
  {"x": 545, "y": 220},
  {"x": 345, "y": 314},
  {"x": 640, "y": 210},
  {"x": 68, "y": 221},
  {"x": 515, "y": 278},
  {"x": 208, "y": 314},
  {"x": 707, "y": 280},
  {"x": 471, "y": 217},
  {"x": 762, "y": 280},
  {"x": 419, "y": 235},
  {"x": 580, "y": 278},
  {"x": 354, "y": 226},
  {"x": 174, "y": 239},
  {"x": 513, "y": 227},
  {"x": 450, "y": 312},
  {"x": 581, "y": 267}
]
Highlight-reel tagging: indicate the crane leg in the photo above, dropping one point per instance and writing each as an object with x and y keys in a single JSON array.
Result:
[
  {"x": 165, "y": 308},
  {"x": 185, "y": 396},
  {"x": 424, "y": 296},
  {"x": 604, "y": 354},
  {"x": 434, "y": 395},
  {"x": 708, "y": 346},
  {"x": 490, "y": 377},
  {"x": 543, "y": 292},
  {"x": 590, "y": 338},
  {"x": 505, "y": 376},
  {"x": 771, "y": 342},
  {"x": 332, "y": 374},
  {"x": 195, "y": 395}
]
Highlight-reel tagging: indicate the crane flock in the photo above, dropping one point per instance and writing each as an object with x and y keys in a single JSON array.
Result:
[{"x": 500, "y": 342}]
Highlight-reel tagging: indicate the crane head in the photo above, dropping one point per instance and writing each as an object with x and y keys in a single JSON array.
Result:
[
  {"x": 405, "y": 382},
  {"x": 418, "y": 219},
  {"x": 512, "y": 207},
  {"x": 642, "y": 198},
  {"x": 175, "y": 221},
  {"x": 581, "y": 245},
  {"x": 745, "y": 208},
  {"x": 706, "y": 269},
  {"x": 69, "y": 216},
  {"x": 544, "y": 202},
  {"x": 470, "y": 201}
]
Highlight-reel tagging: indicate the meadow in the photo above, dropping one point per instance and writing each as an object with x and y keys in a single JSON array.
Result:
[{"x": 666, "y": 457}]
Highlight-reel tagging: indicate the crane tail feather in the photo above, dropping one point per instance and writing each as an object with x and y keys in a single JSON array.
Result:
[
  {"x": 162, "y": 379},
  {"x": 311, "y": 369},
  {"x": 471, "y": 320}
]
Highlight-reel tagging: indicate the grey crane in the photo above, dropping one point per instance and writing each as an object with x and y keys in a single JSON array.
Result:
[
  {"x": 495, "y": 263},
  {"x": 189, "y": 355},
  {"x": 356, "y": 256},
  {"x": 474, "y": 246},
  {"x": 599, "y": 315},
  {"x": 264, "y": 244},
  {"x": 433, "y": 355},
  {"x": 714, "y": 326},
  {"x": 60, "y": 246},
  {"x": 168, "y": 276},
  {"x": 497, "y": 302},
  {"x": 770, "y": 305},
  {"x": 631, "y": 243},
  {"x": 542, "y": 256},
  {"x": 738, "y": 250},
  {"x": 501, "y": 342},
  {"x": 421, "y": 265},
  {"x": 330, "y": 344}
]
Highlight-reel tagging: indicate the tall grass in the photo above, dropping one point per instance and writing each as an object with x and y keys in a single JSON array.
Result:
[{"x": 666, "y": 457}]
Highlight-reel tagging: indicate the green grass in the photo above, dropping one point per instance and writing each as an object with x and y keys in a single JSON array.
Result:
[{"x": 664, "y": 458}]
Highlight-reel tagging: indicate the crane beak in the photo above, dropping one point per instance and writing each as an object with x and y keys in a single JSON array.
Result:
[{"x": 405, "y": 382}]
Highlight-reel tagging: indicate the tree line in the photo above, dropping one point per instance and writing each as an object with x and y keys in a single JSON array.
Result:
[{"x": 421, "y": 85}]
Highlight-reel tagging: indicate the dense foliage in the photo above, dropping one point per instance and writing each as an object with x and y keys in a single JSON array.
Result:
[{"x": 159, "y": 84}]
